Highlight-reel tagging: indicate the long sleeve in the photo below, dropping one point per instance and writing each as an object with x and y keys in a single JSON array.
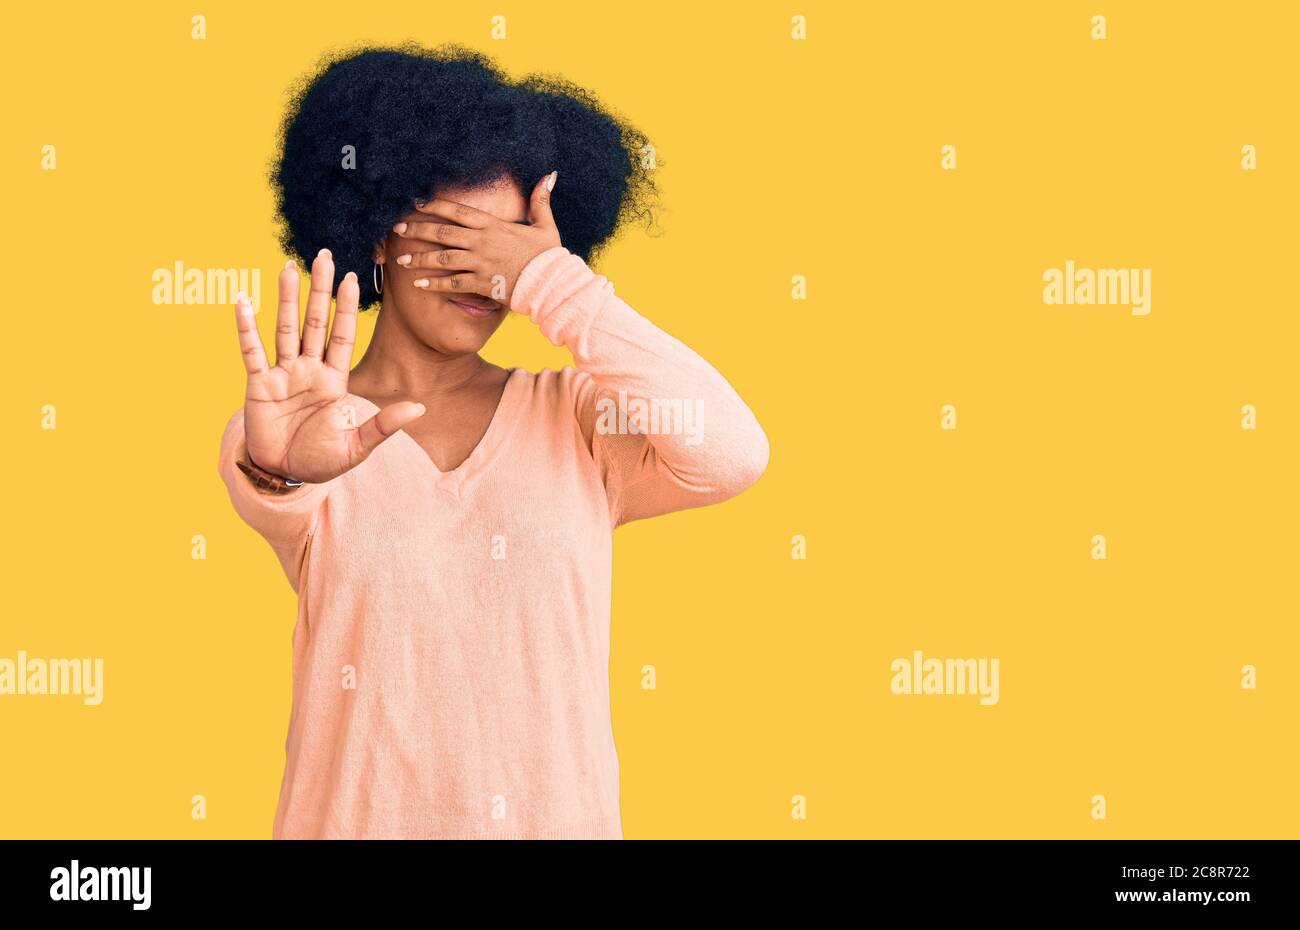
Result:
[
  {"x": 285, "y": 521},
  {"x": 665, "y": 428}
]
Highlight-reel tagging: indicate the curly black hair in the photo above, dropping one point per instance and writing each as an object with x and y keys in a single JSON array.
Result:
[{"x": 420, "y": 120}]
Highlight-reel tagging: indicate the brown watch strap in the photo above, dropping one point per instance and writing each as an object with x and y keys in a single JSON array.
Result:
[{"x": 265, "y": 480}]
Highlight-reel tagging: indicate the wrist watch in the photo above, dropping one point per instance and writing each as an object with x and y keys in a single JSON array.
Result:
[{"x": 265, "y": 480}]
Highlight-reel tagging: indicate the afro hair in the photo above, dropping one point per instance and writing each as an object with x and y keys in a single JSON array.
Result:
[{"x": 422, "y": 120}]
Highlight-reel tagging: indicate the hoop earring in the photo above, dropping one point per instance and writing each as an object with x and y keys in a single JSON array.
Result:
[{"x": 377, "y": 276}]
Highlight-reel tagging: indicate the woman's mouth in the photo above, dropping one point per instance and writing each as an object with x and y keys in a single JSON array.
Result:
[{"x": 473, "y": 310}]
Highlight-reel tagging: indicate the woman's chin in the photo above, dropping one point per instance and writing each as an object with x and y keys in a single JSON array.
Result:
[{"x": 456, "y": 330}]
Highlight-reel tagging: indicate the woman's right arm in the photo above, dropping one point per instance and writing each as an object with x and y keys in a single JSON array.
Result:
[
  {"x": 285, "y": 519},
  {"x": 297, "y": 422}
]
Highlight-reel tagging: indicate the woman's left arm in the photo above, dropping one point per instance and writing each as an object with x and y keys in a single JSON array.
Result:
[
  {"x": 666, "y": 428},
  {"x": 691, "y": 441}
]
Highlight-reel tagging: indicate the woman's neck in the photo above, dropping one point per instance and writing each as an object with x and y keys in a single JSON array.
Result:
[{"x": 398, "y": 364}]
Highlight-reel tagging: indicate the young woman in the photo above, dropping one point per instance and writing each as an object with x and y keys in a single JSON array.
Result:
[{"x": 446, "y": 523}]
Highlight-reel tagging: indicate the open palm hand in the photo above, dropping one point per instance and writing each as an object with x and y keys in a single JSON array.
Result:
[{"x": 298, "y": 419}]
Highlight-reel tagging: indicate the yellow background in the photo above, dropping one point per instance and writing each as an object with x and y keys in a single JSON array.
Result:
[{"x": 780, "y": 157}]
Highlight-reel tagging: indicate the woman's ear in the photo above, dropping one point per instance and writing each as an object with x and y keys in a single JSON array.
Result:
[{"x": 378, "y": 256}]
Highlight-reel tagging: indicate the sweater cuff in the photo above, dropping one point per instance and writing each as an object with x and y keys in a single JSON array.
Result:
[
  {"x": 558, "y": 292},
  {"x": 267, "y": 509}
]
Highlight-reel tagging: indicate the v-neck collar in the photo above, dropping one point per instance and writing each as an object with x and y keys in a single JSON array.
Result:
[{"x": 460, "y": 480}]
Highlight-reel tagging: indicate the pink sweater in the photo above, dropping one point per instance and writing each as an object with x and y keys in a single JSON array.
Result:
[{"x": 451, "y": 655}]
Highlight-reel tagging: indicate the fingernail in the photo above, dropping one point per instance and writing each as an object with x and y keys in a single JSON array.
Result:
[
  {"x": 245, "y": 307},
  {"x": 399, "y": 228},
  {"x": 290, "y": 263},
  {"x": 350, "y": 274},
  {"x": 422, "y": 282},
  {"x": 420, "y": 203},
  {"x": 403, "y": 259},
  {"x": 551, "y": 179},
  {"x": 324, "y": 253}
]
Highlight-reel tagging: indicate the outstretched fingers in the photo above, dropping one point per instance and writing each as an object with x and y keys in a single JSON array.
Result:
[
  {"x": 383, "y": 425},
  {"x": 250, "y": 340},
  {"x": 318, "y": 305},
  {"x": 343, "y": 333},
  {"x": 286, "y": 318}
]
